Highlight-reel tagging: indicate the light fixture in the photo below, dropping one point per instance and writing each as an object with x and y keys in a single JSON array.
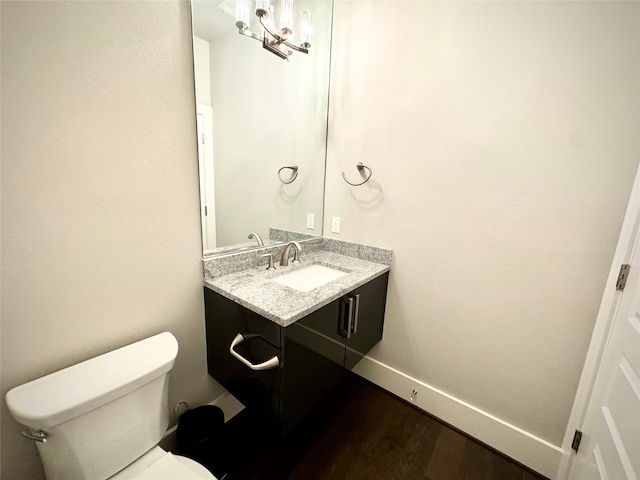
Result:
[{"x": 276, "y": 40}]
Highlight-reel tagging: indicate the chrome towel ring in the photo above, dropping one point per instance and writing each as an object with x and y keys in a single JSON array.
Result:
[
  {"x": 360, "y": 166},
  {"x": 294, "y": 173}
]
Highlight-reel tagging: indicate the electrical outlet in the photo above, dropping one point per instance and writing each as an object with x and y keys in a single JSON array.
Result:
[
  {"x": 311, "y": 221},
  {"x": 335, "y": 225}
]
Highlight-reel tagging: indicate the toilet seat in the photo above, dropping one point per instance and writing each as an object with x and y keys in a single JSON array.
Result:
[
  {"x": 175, "y": 467},
  {"x": 157, "y": 464}
]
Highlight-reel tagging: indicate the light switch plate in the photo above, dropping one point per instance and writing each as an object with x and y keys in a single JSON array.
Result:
[{"x": 335, "y": 225}]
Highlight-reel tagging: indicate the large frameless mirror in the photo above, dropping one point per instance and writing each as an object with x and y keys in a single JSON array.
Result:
[{"x": 262, "y": 87}]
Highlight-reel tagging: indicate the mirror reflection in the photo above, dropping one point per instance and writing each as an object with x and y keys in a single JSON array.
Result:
[{"x": 262, "y": 125}]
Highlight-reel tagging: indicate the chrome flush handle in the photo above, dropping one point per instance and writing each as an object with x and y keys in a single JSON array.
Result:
[{"x": 38, "y": 436}]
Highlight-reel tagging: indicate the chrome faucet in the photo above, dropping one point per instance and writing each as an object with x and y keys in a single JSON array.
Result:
[
  {"x": 284, "y": 260},
  {"x": 257, "y": 237}
]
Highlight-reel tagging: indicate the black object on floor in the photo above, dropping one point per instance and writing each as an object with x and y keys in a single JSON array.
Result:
[{"x": 201, "y": 436}]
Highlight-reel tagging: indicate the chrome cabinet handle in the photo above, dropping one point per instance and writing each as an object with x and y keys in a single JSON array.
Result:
[
  {"x": 273, "y": 362},
  {"x": 352, "y": 304},
  {"x": 346, "y": 332},
  {"x": 356, "y": 313}
]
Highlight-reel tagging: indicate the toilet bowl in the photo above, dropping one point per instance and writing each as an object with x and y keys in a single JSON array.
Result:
[{"x": 102, "y": 419}]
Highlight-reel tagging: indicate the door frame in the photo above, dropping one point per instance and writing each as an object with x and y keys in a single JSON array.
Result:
[
  {"x": 207, "y": 184},
  {"x": 602, "y": 328}
]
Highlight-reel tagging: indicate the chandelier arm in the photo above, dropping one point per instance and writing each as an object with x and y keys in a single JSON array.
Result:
[
  {"x": 250, "y": 34},
  {"x": 295, "y": 47},
  {"x": 277, "y": 37}
]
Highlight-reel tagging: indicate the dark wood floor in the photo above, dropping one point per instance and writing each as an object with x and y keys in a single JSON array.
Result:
[{"x": 363, "y": 433}]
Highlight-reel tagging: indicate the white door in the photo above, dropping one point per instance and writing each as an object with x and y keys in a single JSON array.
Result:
[
  {"x": 203, "y": 203},
  {"x": 610, "y": 447}
]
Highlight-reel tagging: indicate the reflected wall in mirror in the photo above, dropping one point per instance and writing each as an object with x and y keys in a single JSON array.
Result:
[{"x": 256, "y": 114}]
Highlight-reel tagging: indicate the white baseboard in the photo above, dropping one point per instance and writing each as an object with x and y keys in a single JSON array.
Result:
[
  {"x": 229, "y": 405},
  {"x": 534, "y": 452}
]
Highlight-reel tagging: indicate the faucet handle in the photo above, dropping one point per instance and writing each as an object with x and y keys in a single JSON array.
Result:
[{"x": 270, "y": 266}]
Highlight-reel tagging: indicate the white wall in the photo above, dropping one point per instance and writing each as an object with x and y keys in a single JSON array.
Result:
[
  {"x": 100, "y": 229},
  {"x": 503, "y": 138}
]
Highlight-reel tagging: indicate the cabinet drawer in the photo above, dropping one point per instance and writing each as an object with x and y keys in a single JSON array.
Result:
[
  {"x": 225, "y": 319},
  {"x": 222, "y": 313}
]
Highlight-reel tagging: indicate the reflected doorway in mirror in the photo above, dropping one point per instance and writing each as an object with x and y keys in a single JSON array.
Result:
[{"x": 204, "y": 122}]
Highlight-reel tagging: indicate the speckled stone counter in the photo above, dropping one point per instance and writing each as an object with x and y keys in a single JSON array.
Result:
[{"x": 252, "y": 287}]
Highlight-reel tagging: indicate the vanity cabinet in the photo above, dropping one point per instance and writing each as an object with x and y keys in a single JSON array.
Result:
[{"x": 312, "y": 354}]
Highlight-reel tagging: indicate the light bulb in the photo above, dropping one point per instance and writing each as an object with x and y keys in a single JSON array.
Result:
[
  {"x": 242, "y": 14},
  {"x": 262, "y": 8},
  {"x": 305, "y": 29},
  {"x": 286, "y": 17}
]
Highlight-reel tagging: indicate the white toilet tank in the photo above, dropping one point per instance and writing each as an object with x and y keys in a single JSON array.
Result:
[{"x": 102, "y": 414}]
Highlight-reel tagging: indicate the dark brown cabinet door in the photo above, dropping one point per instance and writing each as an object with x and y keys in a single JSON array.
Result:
[
  {"x": 313, "y": 363},
  {"x": 368, "y": 321}
]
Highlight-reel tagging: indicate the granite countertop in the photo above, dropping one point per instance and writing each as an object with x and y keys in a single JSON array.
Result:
[{"x": 253, "y": 288}]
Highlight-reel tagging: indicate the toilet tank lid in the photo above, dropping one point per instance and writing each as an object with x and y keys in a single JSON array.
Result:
[{"x": 65, "y": 394}]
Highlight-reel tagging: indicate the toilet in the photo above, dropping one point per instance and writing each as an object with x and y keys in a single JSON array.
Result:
[{"x": 103, "y": 418}]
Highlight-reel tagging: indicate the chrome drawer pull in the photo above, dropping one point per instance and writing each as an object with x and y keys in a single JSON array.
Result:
[{"x": 273, "y": 362}]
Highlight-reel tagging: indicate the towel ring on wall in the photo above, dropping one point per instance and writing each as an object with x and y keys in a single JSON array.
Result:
[
  {"x": 360, "y": 166},
  {"x": 294, "y": 174}
]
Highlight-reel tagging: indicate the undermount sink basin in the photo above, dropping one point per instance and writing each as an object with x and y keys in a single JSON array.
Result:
[{"x": 307, "y": 278}]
